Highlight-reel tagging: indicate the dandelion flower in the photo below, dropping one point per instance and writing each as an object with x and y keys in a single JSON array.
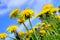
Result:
[
  {"x": 43, "y": 24},
  {"x": 21, "y": 20},
  {"x": 27, "y": 13},
  {"x": 46, "y": 8},
  {"x": 20, "y": 33},
  {"x": 36, "y": 26},
  {"x": 53, "y": 10},
  {"x": 3, "y": 35},
  {"x": 39, "y": 14},
  {"x": 26, "y": 38},
  {"x": 12, "y": 28},
  {"x": 29, "y": 32},
  {"x": 42, "y": 27},
  {"x": 48, "y": 25},
  {"x": 14, "y": 12},
  {"x": 42, "y": 31}
]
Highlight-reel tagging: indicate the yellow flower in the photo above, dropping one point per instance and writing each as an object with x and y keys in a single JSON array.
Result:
[
  {"x": 42, "y": 27},
  {"x": 14, "y": 12},
  {"x": 43, "y": 24},
  {"x": 39, "y": 14},
  {"x": 44, "y": 10},
  {"x": 21, "y": 20},
  {"x": 3, "y": 35},
  {"x": 53, "y": 10},
  {"x": 48, "y": 25},
  {"x": 26, "y": 38},
  {"x": 12, "y": 28},
  {"x": 58, "y": 16},
  {"x": 42, "y": 31},
  {"x": 47, "y": 6},
  {"x": 27, "y": 13},
  {"x": 20, "y": 33},
  {"x": 29, "y": 32},
  {"x": 51, "y": 13},
  {"x": 37, "y": 25}
]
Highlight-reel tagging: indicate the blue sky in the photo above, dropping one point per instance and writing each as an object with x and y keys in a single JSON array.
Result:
[{"x": 7, "y": 5}]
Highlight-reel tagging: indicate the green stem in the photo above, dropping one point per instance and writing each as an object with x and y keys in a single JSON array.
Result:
[
  {"x": 30, "y": 23},
  {"x": 32, "y": 28},
  {"x": 25, "y": 26},
  {"x": 41, "y": 37}
]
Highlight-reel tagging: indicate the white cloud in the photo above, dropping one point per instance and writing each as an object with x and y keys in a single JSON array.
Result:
[
  {"x": 4, "y": 11},
  {"x": 16, "y": 3},
  {"x": 10, "y": 5}
]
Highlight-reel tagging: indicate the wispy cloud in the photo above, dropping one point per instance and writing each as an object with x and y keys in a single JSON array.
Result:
[
  {"x": 6, "y": 6},
  {"x": 16, "y": 3}
]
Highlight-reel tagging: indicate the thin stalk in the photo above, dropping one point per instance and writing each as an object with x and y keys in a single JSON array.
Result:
[
  {"x": 25, "y": 26},
  {"x": 32, "y": 28},
  {"x": 16, "y": 35},
  {"x": 41, "y": 37},
  {"x": 30, "y": 23}
]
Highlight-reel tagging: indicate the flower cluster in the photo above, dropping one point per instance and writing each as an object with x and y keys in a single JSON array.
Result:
[{"x": 48, "y": 28}]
